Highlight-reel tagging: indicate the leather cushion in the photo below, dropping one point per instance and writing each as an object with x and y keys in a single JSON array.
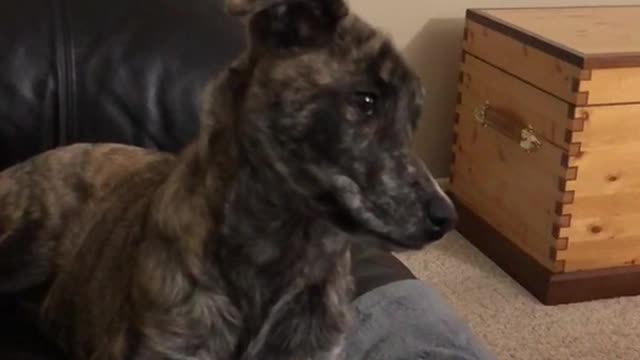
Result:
[{"x": 118, "y": 71}]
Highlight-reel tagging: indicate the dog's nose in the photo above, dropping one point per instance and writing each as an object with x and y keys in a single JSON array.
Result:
[{"x": 442, "y": 215}]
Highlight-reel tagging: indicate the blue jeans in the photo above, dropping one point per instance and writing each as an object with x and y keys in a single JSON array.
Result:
[{"x": 409, "y": 320}]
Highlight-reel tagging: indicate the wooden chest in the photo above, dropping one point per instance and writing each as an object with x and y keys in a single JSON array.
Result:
[{"x": 546, "y": 155}]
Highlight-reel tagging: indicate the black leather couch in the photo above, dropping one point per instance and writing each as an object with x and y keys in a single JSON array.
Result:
[{"x": 125, "y": 71}]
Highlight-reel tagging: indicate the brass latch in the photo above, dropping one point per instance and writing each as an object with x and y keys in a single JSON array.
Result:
[
  {"x": 524, "y": 135},
  {"x": 528, "y": 140}
]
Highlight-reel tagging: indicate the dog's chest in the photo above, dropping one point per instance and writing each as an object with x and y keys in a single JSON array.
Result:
[{"x": 308, "y": 320}]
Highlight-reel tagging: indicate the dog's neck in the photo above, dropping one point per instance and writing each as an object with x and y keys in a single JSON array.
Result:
[
  {"x": 269, "y": 226},
  {"x": 235, "y": 225},
  {"x": 268, "y": 230},
  {"x": 228, "y": 212},
  {"x": 277, "y": 260}
]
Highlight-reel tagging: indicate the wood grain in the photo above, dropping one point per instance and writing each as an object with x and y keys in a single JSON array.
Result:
[
  {"x": 614, "y": 204},
  {"x": 570, "y": 206},
  {"x": 515, "y": 191},
  {"x": 607, "y": 125},
  {"x": 602, "y": 254},
  {"x": 612, "y": 86},
  {"x": 606, "y": 170},
  {"x": 549, "y": 116},
  {"x": 549, "y": 287},
  {"x": 534, "y": 66},
  {"x": 583, "y": 55},
  {"x": 585, "y": 30},
  {"x": 490, "y": 171},
  {"x": 589, "y": 37},
  {"x": 605, "y": 211},
  {"x": 603, "y": 228}
]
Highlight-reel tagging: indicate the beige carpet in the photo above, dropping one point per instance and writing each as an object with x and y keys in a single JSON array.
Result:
[{"x": 512, "y": 323}]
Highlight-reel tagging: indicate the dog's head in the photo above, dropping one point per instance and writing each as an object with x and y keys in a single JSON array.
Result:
[{"x": 329, "y": 105}]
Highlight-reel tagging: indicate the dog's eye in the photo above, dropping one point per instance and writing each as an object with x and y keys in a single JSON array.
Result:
[{"x": 366, "y": 102}]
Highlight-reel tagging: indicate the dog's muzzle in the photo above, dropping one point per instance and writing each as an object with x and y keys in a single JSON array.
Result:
[{"x": 440, "y": 211}]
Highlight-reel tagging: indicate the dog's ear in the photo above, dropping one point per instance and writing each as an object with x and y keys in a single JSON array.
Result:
[{"x": 283, "y": 24}]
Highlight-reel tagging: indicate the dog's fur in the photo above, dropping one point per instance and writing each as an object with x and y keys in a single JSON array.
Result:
[{"x": 238, "y": 247}]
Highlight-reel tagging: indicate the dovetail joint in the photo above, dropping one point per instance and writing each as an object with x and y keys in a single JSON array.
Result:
[
  {"x": 559, "y": 208},
  {"x": 568, "y": 197},
  {"x": 575, "y": 85},
  {"x": 575, "y": 150},
  {"x": 568, "y": 136},
  {"x": 564, "y": 221},
  {"x": 561, "y": 244},
  {"x": 555, "y": 232},
  {"x": 571, "y": 174},
  {"x": 576, "y": 125},
  {"x": 582, "y": 98},
  {"x": 461, "y": 76},
  {"x": 585, "y": 75},
  {"x": 560, "y": 265}
]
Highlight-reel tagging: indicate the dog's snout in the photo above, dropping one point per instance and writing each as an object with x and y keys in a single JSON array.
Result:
[
  {"x": 442, "y": 215},
  {"x": 439, "y": 209}
]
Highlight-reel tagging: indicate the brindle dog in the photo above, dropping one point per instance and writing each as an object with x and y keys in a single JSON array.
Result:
[{"x": 237, "y": 248}]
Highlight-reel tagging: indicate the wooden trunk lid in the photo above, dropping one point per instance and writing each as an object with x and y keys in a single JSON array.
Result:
[{"x": 583, "y": 55}]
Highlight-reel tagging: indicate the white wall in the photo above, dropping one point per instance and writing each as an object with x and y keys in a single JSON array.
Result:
[{"x": 430, "y": 32}]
